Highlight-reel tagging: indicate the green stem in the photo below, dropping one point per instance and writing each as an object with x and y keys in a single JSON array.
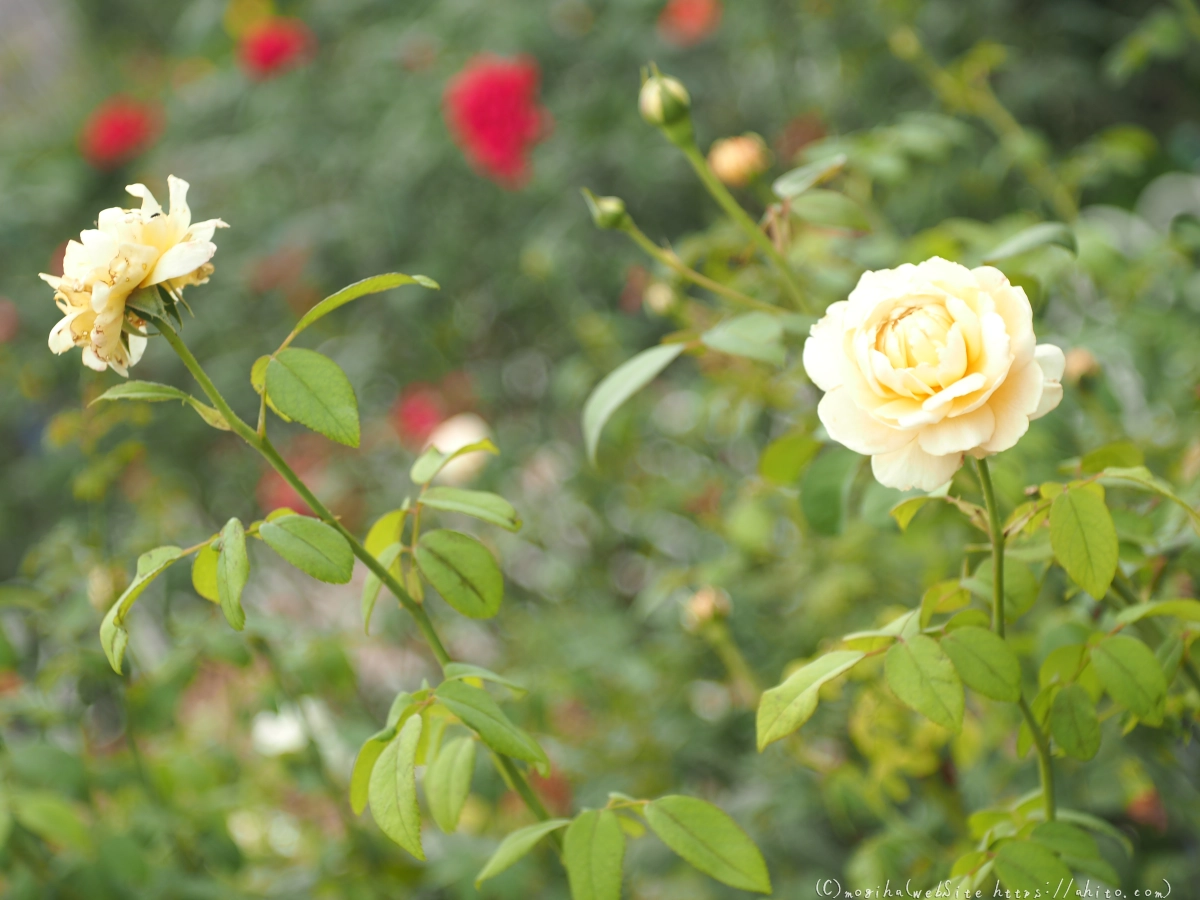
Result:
[
  {"x": 996, "y": 532},
  {"x": 745, "y": 685},
  {"x": 672, "y": 261},
  {"x": 268, "y": 451},
  {"x": 1045, "y": 766},
  {"x": 734, "y": 210}
]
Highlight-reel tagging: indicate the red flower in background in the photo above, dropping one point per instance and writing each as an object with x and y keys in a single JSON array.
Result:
[
  {"x": 118, "y": 130},
  {"x": 275, "y": 45},
  {"x": 688, "y": 22},
  {"x": 418, "y": 411},
  {"x": 492, "y": 109}
]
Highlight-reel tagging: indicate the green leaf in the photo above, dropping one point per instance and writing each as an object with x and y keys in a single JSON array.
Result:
[
  {"x": 1140, "y": 478},
  {"x": 830, "y": 208},
  {"x": 481, "y": 714},
  {"x": 393, "y": 789},
  {"x": 1041, "y": 235},
  {"x": 797, "y": 181},
  {"x": 152, "y": 392},
  {"x": 448, "y": 782},
  {"x": 985, "y": 662},
  {"x": 483, "y": 505},
  {"x": 785, "y": 708},
  {"x": 1073, "y": 722},
  {"x": 386, "y": 531},
  {"x": 313, "y": 390},
  {"x": 710, "y": 840},
  {"x": 1119, "y": 454},
  {"x": 204, "y": 572},
  {"x": 1084, "y": 540},
  {"x": 517, "y": 845},
  {"x": 621, "y": 384},
  {"x": 51, "y": 818},
  {"x": 755, "y": 335},
  {"x": 826, "y": 486},
  {"x": 1097, "y": 825},
  {"x": 233, "y": 571},
  {"x": 904, "y": 511},
  {"x": 311, "y": 546},
  {"x": 462, "y": 570},
  {"x": 430, "y": 462},
  {"x": 785, "y": 457},
  {"x": 923, "y": 678},
  {"x": 460, "y": 671},
  {"x": 372, "y": 584},
  {"x": 943, "y": 597},
  {"x": 113, "y": 636},
  {"x": 1067, "y": 839},
  {"x": 372, "y": 285},
  {"x": 1130, "y": 673},
  {"x": 364, "y": 765},
  {"x": 1029, "y": 866},
  {"x": 1184, "y": 610},
  {"x": 593, "y": 851}
]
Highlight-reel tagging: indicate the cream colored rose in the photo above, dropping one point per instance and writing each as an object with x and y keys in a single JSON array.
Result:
[
  {"x": 923, "y": 364},
  {"x": 128, "y": 249}
]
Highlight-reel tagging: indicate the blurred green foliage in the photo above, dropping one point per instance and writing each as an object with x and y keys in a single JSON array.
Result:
[{"x": 220, "y": 767}]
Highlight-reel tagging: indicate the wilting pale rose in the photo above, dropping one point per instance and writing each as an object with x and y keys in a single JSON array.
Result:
[
  {"x": 128, "y": 249},
  {"x": 923, "y": 364}
]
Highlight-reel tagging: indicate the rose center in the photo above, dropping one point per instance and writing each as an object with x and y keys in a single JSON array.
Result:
[{"x": 914, "y": 336}]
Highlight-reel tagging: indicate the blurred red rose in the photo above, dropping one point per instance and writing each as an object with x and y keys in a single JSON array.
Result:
[
  {"x": 687, "y": 22},
  {"x": 492, "y": 108},
  {"x": 118, "y": 130},
  {"x": 10, "y": 320},
  {"x": 275, "y": 45},
  {"x": 418, "y": 411}
]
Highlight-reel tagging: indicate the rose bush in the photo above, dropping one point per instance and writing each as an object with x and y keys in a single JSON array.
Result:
[{"x": 925, "y": 363}]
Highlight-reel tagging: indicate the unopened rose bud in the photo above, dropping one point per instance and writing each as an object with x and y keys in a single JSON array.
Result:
[
  {"x": 665, "y": 102},
  {"x": 704, "y": 606},
  {"x": 607, "y": 212},
  {"x": 739, "y": 160},
  {"x": 1080, "y": 364}
]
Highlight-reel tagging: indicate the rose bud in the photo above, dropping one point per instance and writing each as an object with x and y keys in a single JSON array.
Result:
[
  {"x": 665, "y": 102},
  {"x": 739, "y": 160}
]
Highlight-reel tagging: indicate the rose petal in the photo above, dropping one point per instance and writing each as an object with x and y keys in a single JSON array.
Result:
[
  {"x": 958, "y": 434},
  {"x": 823, "y": 353},
  {"x": 852, "y": 427},
  {"x": 910, "y": 468},
  {"x": 1012, "y": 404},
  {"x": 180, "y": 260},
  {"x": 150, "y": 206}
]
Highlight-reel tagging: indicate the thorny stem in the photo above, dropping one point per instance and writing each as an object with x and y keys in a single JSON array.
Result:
[
  {"x": 671, "y": 260},
  {"x": 734, "y": 210},
  {"x": 996, "y": 531},
  {"x": 260, "y": 443}
]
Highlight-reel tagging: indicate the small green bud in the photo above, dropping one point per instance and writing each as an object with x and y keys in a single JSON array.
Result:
[
  {"x": 607, "y": 212},
  {"x": 664, "y": 102}
]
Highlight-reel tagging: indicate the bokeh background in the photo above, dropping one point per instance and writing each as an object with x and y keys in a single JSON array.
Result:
[{"x": 325, "y": 134}]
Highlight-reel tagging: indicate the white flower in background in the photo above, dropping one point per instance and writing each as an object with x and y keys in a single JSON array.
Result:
[
  {"x": 923, "y": 364},
  {"x": 127, "y": 250},
  {"x": 274, "y": 734},
  {"x": 454, "y": 434}
]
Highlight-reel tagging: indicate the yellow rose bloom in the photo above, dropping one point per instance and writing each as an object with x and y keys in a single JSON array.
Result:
[{"x": 127, "y": 250}]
